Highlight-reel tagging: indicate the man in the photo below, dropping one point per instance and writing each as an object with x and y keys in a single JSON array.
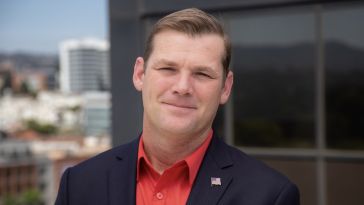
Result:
[{"x": 183, "y": 78}]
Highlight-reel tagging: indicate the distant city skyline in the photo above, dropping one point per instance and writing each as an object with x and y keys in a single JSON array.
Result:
[{"x": 38, "y": 26}]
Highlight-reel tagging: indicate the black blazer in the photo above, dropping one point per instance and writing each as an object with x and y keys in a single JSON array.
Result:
[{"x": 110, "y": 179}]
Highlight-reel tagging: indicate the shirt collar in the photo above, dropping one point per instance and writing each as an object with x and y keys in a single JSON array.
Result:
[{"x": 193, "y": 160}]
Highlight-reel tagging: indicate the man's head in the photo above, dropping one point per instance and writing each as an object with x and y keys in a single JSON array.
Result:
[
  {"x": 182, "y": 79},
  {"x": 192, "y": 22}
]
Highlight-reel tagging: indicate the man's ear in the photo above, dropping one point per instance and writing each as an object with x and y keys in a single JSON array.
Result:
[
  {"x": 226, "y": 90},
  {"x": 138, "y": 75}
]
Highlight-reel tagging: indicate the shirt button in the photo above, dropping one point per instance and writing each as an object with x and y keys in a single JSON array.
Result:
[{"x": 159, "y": 195}]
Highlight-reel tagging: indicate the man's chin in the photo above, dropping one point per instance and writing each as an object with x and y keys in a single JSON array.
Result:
[{"x": 179, "y": 129}]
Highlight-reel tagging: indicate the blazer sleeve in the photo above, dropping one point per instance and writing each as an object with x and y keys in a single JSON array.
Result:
[
  {"x": 62, "y": 197},
  {"x": 289, "y": 195}
]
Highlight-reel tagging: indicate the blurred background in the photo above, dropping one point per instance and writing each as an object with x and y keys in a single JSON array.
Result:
[
  {"x": 54, "y": 93},
  {"x": 66, "y": 91}
]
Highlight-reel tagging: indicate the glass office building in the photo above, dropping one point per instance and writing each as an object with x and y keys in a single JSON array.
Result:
[
  {"x": 298, "y": 95},
  {"x": 96, "y": 113}
]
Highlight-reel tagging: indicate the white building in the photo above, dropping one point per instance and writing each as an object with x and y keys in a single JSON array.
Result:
[
  {"x": 49, "y": 108},
  {"x": 84, "y": 65}
]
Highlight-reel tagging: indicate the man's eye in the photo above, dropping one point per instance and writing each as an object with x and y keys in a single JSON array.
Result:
[
  {"x": 166, "y": 69},
  {"x": 205, "y": 75}
]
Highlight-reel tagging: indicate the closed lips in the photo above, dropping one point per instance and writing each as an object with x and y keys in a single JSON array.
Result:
[{"x": 180, "y": 105}]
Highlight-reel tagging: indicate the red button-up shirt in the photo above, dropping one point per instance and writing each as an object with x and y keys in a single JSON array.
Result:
[{"x": 174, "y": 185}]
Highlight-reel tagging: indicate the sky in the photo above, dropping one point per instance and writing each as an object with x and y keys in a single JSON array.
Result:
[{"x": 38, "y": 26}]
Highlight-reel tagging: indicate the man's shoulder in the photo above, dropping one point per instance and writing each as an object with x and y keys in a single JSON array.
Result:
[
  {"x": 107, "y": 159},
  {"x": 253, "y": 169},
  {"x": 257, "y": 180}
]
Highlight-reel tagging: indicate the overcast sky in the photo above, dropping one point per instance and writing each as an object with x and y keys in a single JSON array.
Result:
[{"x": 39, "y": 25}]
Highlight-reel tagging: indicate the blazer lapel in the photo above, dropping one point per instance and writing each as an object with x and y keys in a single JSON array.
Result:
[
  {"x": 215, "y": 165},
  {"x": 122, "y": 177}
]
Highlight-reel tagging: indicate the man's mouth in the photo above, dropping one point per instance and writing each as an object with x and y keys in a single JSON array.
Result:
[{"x": 180, "y": 105}]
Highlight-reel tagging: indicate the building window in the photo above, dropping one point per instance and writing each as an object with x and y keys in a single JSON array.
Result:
[
  {"x": 343, "y": 33},
  {"x": 273, "y": 65}
]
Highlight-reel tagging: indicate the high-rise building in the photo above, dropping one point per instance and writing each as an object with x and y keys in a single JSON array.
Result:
[{"x": 84, "y": 65}]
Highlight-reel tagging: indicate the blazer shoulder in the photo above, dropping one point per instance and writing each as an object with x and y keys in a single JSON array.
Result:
[
  {"x": 93, "y": 181},
  {"x": 256, "y": 173},
  {"x": 255, "y": 181},
  {"x": 245, "y": 180},
  {"x": 107, "y": 158},
  {"x": 252, "y": 166}
]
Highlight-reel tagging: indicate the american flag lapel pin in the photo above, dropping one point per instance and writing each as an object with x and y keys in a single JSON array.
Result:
[{"x": 215, "y": 181}]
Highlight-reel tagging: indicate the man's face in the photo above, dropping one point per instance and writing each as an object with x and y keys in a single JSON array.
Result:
[{"x": 182, "y": 84}]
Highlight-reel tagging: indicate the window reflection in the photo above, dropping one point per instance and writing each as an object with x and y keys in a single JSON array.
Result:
[
  {"x": 273, "y": 62},
  {"x": 344, "y": 60}
]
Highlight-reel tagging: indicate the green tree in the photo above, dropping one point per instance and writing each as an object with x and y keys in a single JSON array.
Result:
[
  {"x": 24, "y": 88},
  {"x": 42, "y": 128},
  {"x": 30, "y": 197},
  {"x": 9, "y": 200}
]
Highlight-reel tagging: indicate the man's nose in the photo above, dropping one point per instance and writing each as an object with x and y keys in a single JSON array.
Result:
[{"x": 183, "y": 85}]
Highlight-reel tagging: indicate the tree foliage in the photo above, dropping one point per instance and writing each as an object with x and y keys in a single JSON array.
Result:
[
  {"x": 29, "y": 197},
  {"x": 43, "y": 128}
]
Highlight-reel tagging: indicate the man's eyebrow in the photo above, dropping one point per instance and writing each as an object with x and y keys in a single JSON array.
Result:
[
  {"x": 164, "y": 62},
  {"x": 206, "y": 69},
  {"x": 197, "y": 68}
]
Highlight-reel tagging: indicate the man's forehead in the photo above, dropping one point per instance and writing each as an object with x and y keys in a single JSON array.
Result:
[
  {"x": 172, "y": 32},
  {"x": 175, "y": 40}
]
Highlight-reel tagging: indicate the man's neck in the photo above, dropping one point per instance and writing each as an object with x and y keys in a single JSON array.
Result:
[{"x": 165, "y": 150}]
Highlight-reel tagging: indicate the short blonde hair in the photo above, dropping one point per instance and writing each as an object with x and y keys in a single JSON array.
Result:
[{"x": 192, "y": 22}]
